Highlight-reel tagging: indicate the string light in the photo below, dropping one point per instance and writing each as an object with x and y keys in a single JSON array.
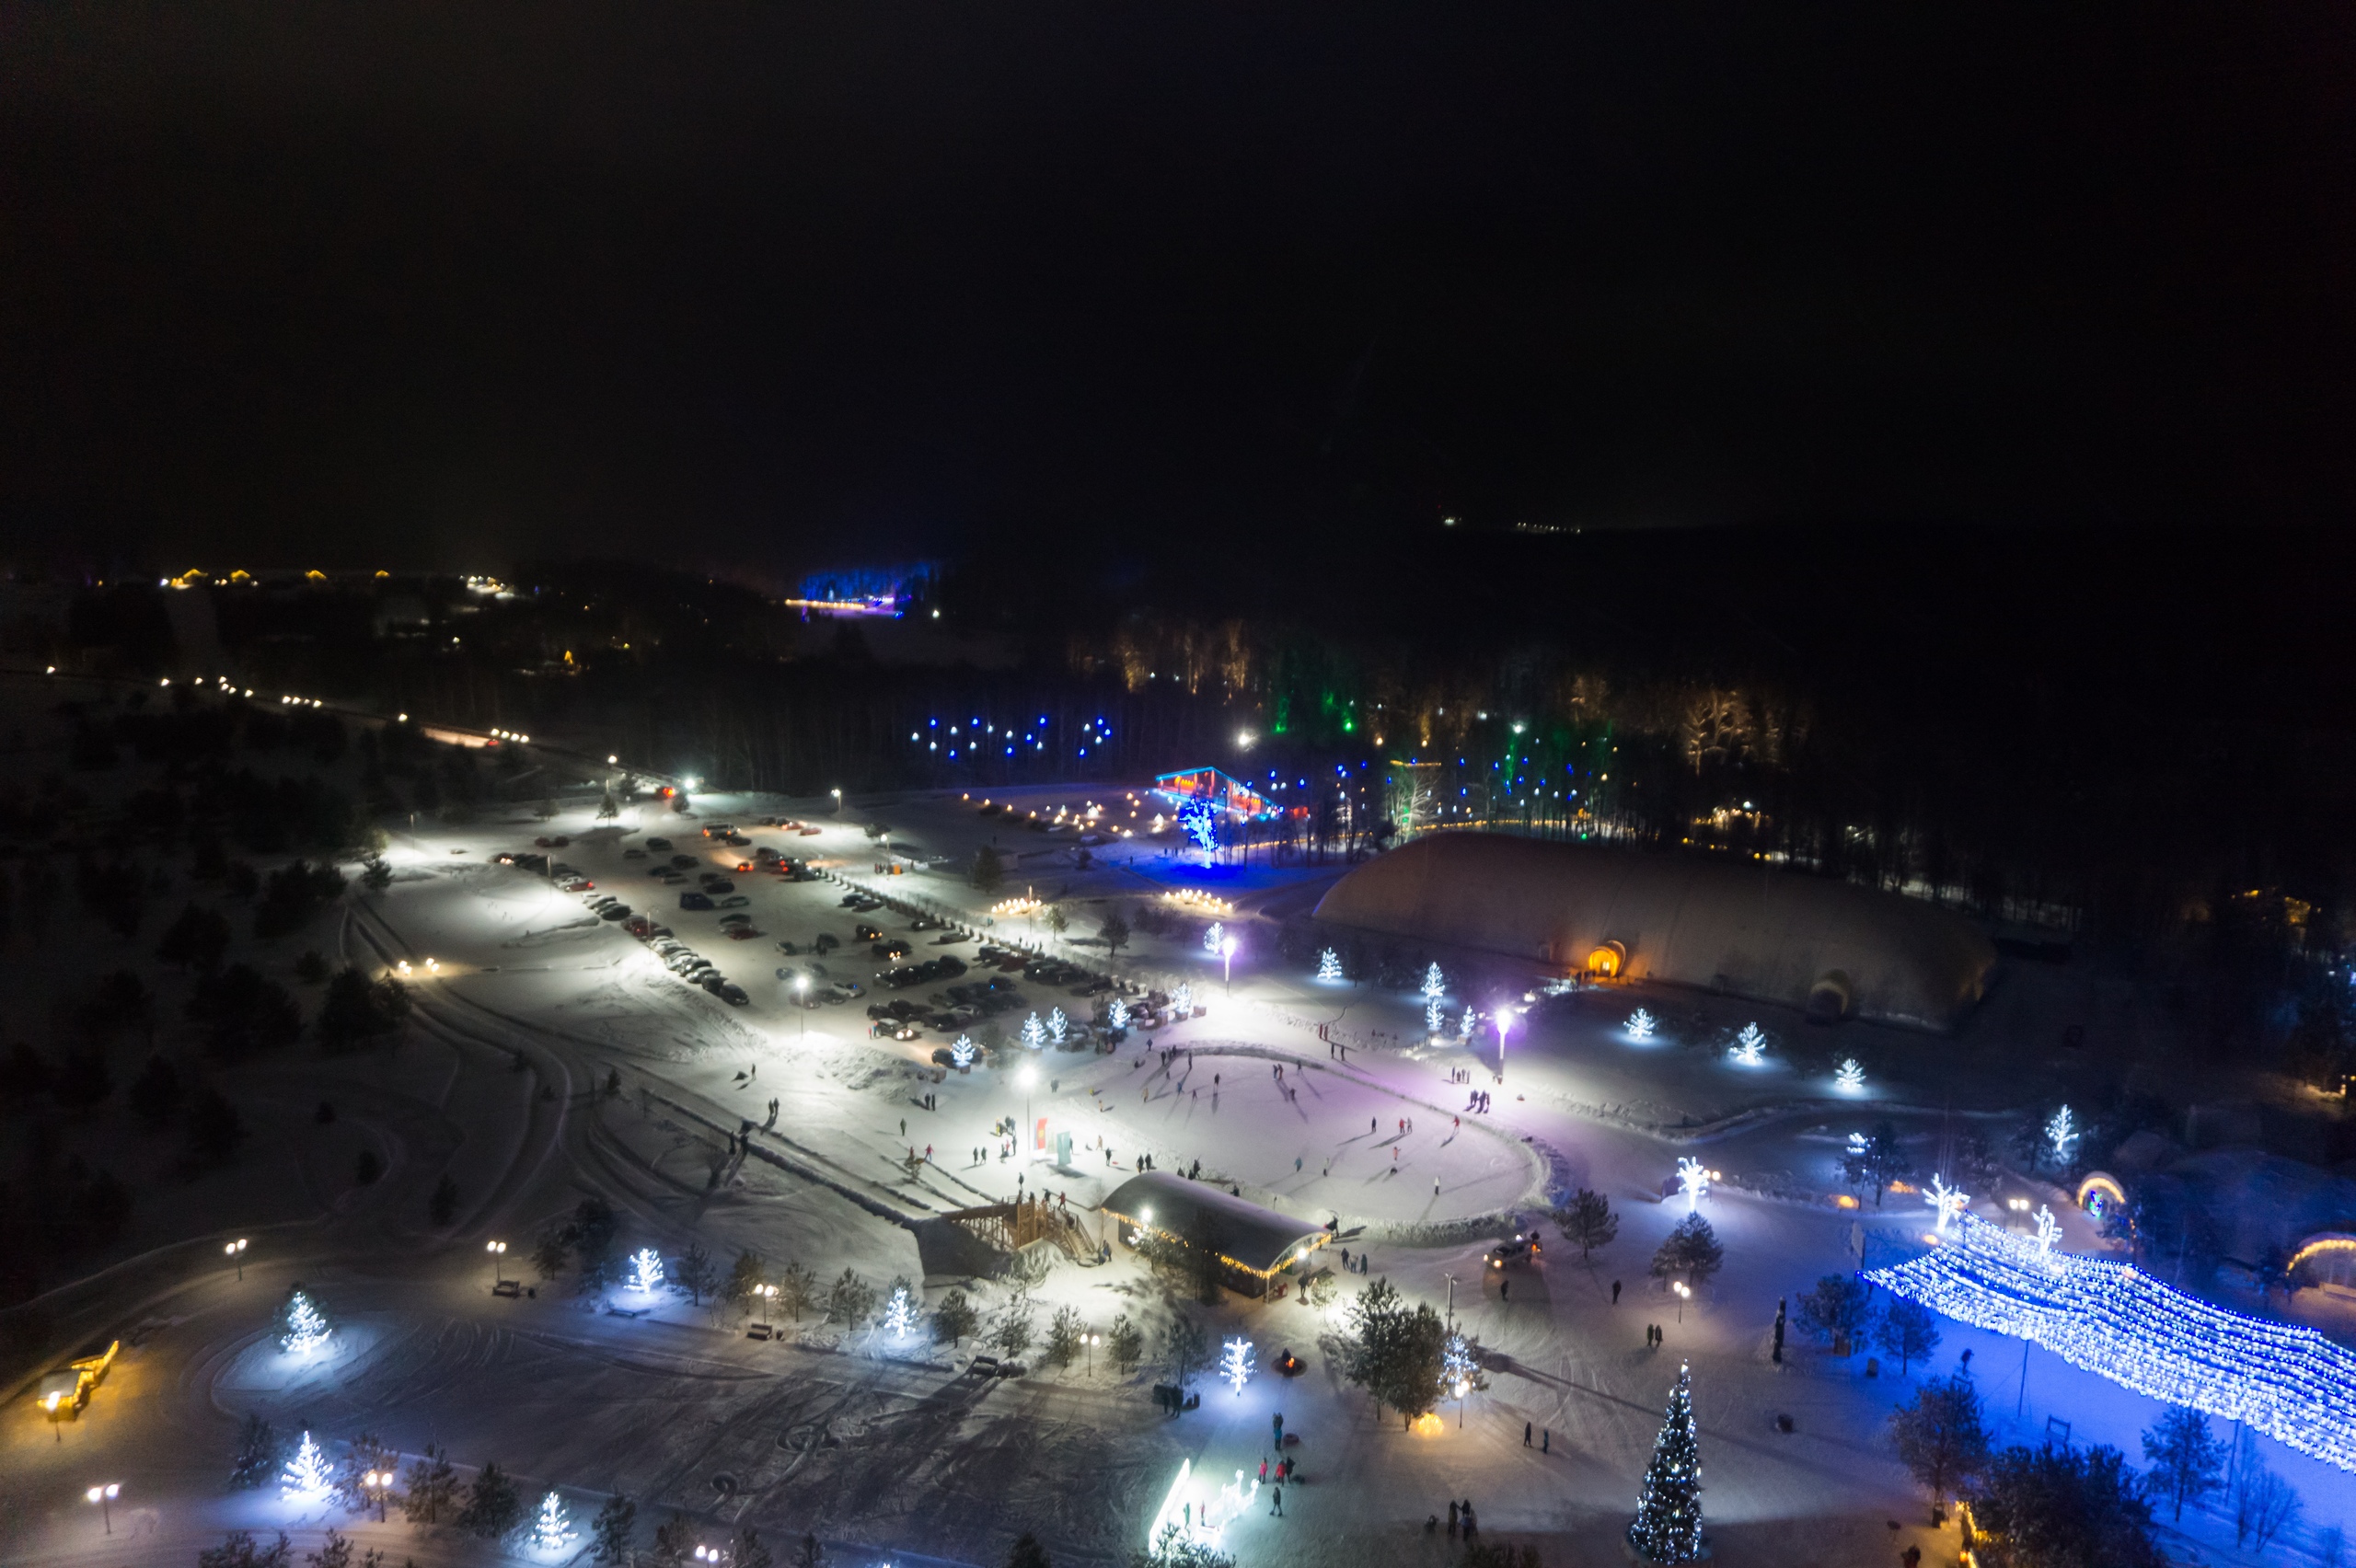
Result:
[
  {"x": 307, "y": 1477},
  {"x": 1749, "y": 1046},
  {"x": 302, "y": 1328},
  {"x": 1235, "y": 1363},
  {"x": 645, "y": 1271},
  {"x": 1851, "y": 1077},
  {"x": 1947, "y": 1200},
  {"x": 961, "y": 1051},
  {"x": 1693, "y": 1180},
  {"x": 2107, "y": 1317},
  {"x": 1667, "y": 1526},
  {"x": 1641, "y": 1025},
  {"x": 1329, "y": 965},
  {"x": 2061, "y": 1132}
]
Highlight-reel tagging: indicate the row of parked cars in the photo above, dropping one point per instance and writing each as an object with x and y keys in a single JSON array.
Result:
[{"x": 676, "y": 956}]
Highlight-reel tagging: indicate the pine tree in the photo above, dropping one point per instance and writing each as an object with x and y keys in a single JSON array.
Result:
[
  {"x": 552, "y": 1531},
  {"x": 257, "y": 1451},
  {"x": 1667, "y": 1526},
  {"x": 1589, "y": 1221},
  {"x": 302, "y": 1327},
  {"x": 1329, "y": 965},
  {"x": 899, "y": 1309},
  {"x": 611, "y": 1532},
  {"x": 307, "y": 1477}
]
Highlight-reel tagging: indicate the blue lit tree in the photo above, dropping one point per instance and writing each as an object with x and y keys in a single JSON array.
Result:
[{"x": 1198, "y": 820}]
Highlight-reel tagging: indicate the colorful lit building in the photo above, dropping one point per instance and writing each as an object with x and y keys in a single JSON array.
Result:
[{"x": 1236, "y": 799}]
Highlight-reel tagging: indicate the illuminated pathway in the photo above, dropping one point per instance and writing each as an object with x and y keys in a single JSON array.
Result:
[{"x": 2110, "y": 1319}]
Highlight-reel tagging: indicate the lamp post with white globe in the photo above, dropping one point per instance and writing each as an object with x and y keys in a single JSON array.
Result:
[
  {"x": 497, "y": 1251},
  {"x": 1028, "y": 1076}
]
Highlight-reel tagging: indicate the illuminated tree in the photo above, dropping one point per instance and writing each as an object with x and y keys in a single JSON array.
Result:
[
  {"x": 302, "y": 1327},
  {"x": 1117, "y": 1014},
  {"x": 1212, "y": 935},
  {"x": 899, "y": 1313},
  {"x": 961, "y": 1051},
  {"x": 1235, "y": 1367},
  {"x": 308, "y": 1478},
  {"x": 1329, "y": 965},
  {"x": 1640, "y": 1025},
  {"x": 1749, "y": 1046},
  {"x": 1850, "y": 1076},
  {"x": 1434, "y": 984},
  {"x": 1667, "y": 1526},
  {"x": 1183, "y": 999},
  {"x": 1058, "y": 1025},
  {"x": 552, "y": 1529},
  {"x": 1199, "y": 821},
  {"x": 645, "y": 1271},
  {"x": 1034, "y": 1034}
]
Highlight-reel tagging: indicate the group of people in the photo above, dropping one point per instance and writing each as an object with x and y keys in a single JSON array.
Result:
[
  {"x": 1460, "y": 1517},
  {"x": 1479, "y": 1102}
]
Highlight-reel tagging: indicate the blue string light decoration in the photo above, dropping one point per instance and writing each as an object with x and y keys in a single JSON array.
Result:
[
  {"x": 1199, "y": 821},
  {"x": 2112, "y": 1318}
]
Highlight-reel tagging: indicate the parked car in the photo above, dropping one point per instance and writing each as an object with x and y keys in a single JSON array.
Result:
[
  {"x": 733, "y": 994},
  {"x": 619, "y": 912},
  {"x": 633, "y": 854},
  {"x": 737, "y": 900},
  {"x": 658, "y": 843},
  {"x": 695, "y": 901},
  {"x": 864, "y": 932},
  {"x": 712, "y": 881}
]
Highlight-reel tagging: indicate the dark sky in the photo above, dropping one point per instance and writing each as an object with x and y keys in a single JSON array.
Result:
[{"x": 407, "y": 283}]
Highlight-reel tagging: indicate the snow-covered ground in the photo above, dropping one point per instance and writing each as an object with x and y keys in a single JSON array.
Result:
[{"x": 533, "y": 1003}]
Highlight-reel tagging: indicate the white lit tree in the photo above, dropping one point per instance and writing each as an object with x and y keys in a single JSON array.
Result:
[
  {"x": 1329, "y": 965},
  {"x": 307, "y": 1477},
  {"x": 1058, "y": 1025},
  {"x": 1034, "y": 1034},
  {"x": 2061, "y": 1132},
  {"x": 1749, "y": 1046},
  {"x": 1235, "y": 1363},
  {"x": 1431, "y": 1016},
  {"x": 1947, "y": 1200},
  {"x": 1467, "y": 1024},
  {"x": 552, "y": 1531},
  {"x": 1213, "y": 934},
  {"x": 1641, "y": 1025},
  {"x": 1434, "y": 982},
  {"x": 2049, "y": 1229},
  {"x": 1694, "y": 1181},
  {"x": 899, "y": 1313},
  {"x": 645, "y": 1271},
  {"x": 1850, "y": 1076},
  {"x": 961, "y": 1051},
  {"x": 1117, "y": 1014},
  {"x": 1667, "y": 1526},
  {"x": 1183, "y": 999},
  {"x": 302, "y": 1327}
]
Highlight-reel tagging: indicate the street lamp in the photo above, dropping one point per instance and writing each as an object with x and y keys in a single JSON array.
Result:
[
  {"x": 104, "y": 1497},
  {"x": 1226, "y": 953},
  {"x": 375, "y": 1484},
  {"x": 767, "y": 1292},
  {"x": 235, "y": 1252},
  {"x": 1684, "y": 1293},
  {"x": 1028, "y": 1076},
  {"x": 497, "y": 1251},
  {"x": 838, "y": 801},
  {"x": 801, "y": 1002},
  {"x": 1505, "y": 1023}
]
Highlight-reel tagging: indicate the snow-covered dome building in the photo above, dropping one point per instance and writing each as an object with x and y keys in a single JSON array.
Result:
[{"x": 1836, "y": 950}]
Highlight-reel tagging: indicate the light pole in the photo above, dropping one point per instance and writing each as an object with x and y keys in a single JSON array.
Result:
[
  {"x": 1684, "y": 1292},
  {"x": 104, "y": 1497},
  {"x": 767, "y": 1292},
  {"x": 838, "y": 801},
  {"x": 1091, "y": 1341},
  {"x": 802, "y": 1001},
  {"x": 1028, "y": 1076},
  {"x": 1451, "y": 1299},
  {"x": 1227, "y": 953},
  {"x": 373, "y": 1485},
  {"x": 1505, "y": 1023},
  {"x": 497, "y": 1249},
  {"x": 235, "y": 1252}
]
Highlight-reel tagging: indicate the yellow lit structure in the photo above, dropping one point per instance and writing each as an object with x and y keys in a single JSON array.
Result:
[{"x": 63, "y": 1390}]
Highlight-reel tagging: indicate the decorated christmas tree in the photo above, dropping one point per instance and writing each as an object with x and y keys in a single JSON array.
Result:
[
  {"x": 302, "y": 1327},
  {"x": 899, "y": 1313},
  {"x": 1431, "y": 1016},
  {"x": 646, "y": 1270},
  {"x": 307, "y": 1477},
  {"x": 1235, "y": 1363},
  {"x": 1667, "y": 1526},
  {"x": 552, "y": 1531},
  {"x": 1058, "y": 1025},
  {"x": 961, "y": 1051},
  {"x": 1183, "y": 999},
  {"x": 1034, "y": 1034},
  {"x": 1116, "y": 1015},
  {"x": 1850, "y": 1076},
  {"x": 1434, "y": 982},
  {"x": 1329, "y": 965},
  {"x": 1640, "y": 1025},
  {"x": 1464, "y": 1030},
  {"x": 1213, "y": 934}
]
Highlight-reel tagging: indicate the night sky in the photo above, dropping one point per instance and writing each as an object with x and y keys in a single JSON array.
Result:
[{"x": 767, "y": 286}]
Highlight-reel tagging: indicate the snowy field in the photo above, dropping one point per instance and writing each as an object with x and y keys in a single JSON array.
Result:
[{"x": 533, "y": 1003}]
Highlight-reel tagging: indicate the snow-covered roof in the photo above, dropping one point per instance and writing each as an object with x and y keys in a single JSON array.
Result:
[
  {"x": 1772, "y": 935},
  {"x": 1245, "y": 1234}
]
